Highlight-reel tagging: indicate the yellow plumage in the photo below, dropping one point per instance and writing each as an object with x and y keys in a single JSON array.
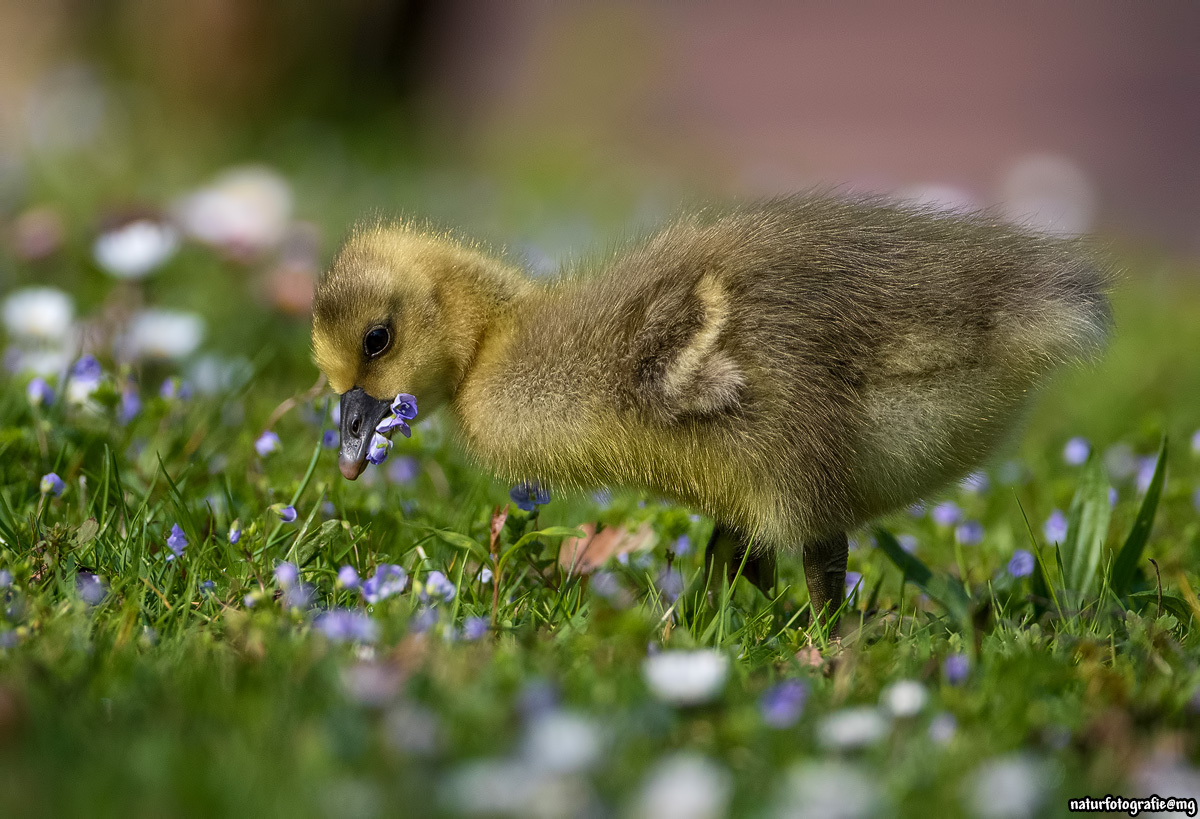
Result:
[{"x": 792, "y": 368}]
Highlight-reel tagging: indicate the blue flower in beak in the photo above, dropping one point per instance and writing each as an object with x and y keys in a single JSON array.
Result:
[{"x": 379, "y": 449}]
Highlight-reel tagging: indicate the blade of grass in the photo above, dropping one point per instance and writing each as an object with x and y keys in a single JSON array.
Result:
[{"x": 1124, "y": 568}]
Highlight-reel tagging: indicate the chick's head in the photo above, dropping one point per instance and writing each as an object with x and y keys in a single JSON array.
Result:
[{"x": 379, "y": 317}]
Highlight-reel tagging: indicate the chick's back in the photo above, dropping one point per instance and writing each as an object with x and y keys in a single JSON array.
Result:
[{"x": 796, "y": 367}]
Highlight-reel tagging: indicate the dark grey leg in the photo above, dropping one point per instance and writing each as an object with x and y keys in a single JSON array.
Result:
[
  {"x": 725, "y": 552},
  {"x": 825, "y": 572}
]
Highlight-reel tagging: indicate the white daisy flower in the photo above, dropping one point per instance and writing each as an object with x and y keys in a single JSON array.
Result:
[
  {"x": 686, "y": 677},
  {"x": 135, "y": 250}
]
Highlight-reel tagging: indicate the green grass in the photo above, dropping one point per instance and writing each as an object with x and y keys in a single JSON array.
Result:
[{"x": 169, "y": 699}]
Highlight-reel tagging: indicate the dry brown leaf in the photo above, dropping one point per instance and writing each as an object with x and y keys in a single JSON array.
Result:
[{"x": 586, "y": 554}]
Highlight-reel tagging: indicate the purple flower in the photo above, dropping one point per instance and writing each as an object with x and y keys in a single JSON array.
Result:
[
  {"x": 389, "y": 579},
  {"x": 603, "y": 497},
  {"x": 235, "y": 531},
  {"x": 1196, "y": 442},
  {"x": 347, "y": 626},
  {"x": 853, "y": 582},
  {"x": 528, "y": 496},
  {"x": 670, "y": 583},
  {"x": 347, "y": 577},
  {"x": 286, "y": 574},
  {"x": 403, "y": 469},
  {"x": 956, "y": 668},
  {"x": 380, "y": 447},
  {"x": 969, "y": 533},
  {"x": 330, "y": 439},
  {"x": 683, "y": 545},
  {"x": 474, "y": 628},
  {"x": 1076, "y": 451},
  {"x": 208, "y": 587},
  {"x": 975, "y": 483},
  {"x": 1055, "y": 527},
  {"x": 782, "y": 704},
  {"x": 1145, "y": 473},
  {"x": 176, "y": 541},
  {"x": 908, "y": 543},
  {"x": 405, "y": 406},
  {"x": 6, "y": 578},
  {"x": 131, "y": 405},
  {"x": 267, "y": 443},
  {"x": 423, "y": 620},
  {"x": 87, "y": 370},
  {"x": 1112, "y": 496},
  {"x": 1022, "y": 563},
  {"x": 90, "y": 588},
  {"x": 946, "y": 514},
  {"x": 299, "y": 596},
  {"x": 52, "y": 485},
  {"x": 173, "y": 388},
  {"x": 917, "y": 510},
  {"x": 39, "y": 393},
  {"x": 287, "y": 514},
  {"x": 437, "y": 587}
]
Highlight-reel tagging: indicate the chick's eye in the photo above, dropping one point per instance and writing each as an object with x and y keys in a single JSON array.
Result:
[{"x": 376, "y": 341}]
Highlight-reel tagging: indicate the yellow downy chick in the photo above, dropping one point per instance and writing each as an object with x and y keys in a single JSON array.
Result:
[{"x": 793, "y": 368}]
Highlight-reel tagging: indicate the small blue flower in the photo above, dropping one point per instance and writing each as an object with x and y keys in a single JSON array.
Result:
[
  {"x": 853, "y": 583},
  {"x": 1077, "y": 451},
  {"x": 956, "y": 668},
  {"x": 208, "y": 587},
  {"x": 946, "y": 514},
  {"x": 235, "y": 531},
  {"x": 485, "y": 575},
  {"x": 267, "y": 443},
  {"x": 287, "y": 513},
  {"x": 130, "y": 406},
  {"x": 527, "y": 495},
  {"x": 423, "y": 620},
  {"x": 87, "y": 370},
  {"x": 1145, "y": 473},
  {"x": 1196, "y": 442},
  {"x": 52, "y": 485},
  {"x": 6, "y": 578},
  {"x": 1022, "y": 563},
  {"x": 474, "y": 628},
  {"x": 683, "y": 546},
  {"x": 1055, "y": 527},
  {"x": 782, "y": 704},
  {"x": 917, "y": 510},
  {"x": 405, "y": 406},
  {"x": 603, "y": 497},
  {"x": 1112, "y": 496},
  {"x": 347, "y": 577},
  {"x": 176, "y": 541},
  {"x": 969, "y": 533},
  {"x": 39, "y": 393},
  {"x": 389, "y": 579},
  {"x": 347, "y": 626},
  {"x": 670, "y": 583},
  {"x": 286, "y": 574},
  {"x": 330, "y": 439},
  {"x": 437, "y": 587},
  {"x": 90, "y": 588},
  {"x": 299, "y": 596},
  {"x": 403, "y": 469},
  {"x": 975, "y": 483},
  {"x": 379, "y": 449},
  {"x": 908, "y": 543}
]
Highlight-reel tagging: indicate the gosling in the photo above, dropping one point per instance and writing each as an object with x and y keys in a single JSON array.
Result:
[{"x": 792, "y": 368}]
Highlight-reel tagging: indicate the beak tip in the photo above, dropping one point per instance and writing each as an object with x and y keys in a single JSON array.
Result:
[{"x": 351, "y": 469}]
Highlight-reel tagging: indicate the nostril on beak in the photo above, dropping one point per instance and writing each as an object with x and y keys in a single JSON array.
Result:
[{"x": 355, "y": 426}]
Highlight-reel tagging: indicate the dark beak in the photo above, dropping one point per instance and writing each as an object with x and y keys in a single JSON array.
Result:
[{"x": 360, "y": 415}]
